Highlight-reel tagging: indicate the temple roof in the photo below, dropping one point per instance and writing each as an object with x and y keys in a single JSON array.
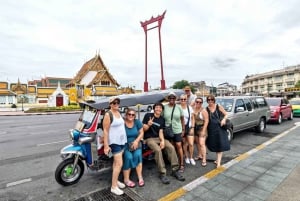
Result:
[{"x": 93, "y": 72}]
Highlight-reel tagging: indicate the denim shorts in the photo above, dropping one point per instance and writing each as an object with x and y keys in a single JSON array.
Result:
[{"x": 117, "y": 148}]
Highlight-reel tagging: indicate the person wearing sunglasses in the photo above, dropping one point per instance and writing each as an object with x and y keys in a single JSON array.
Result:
[
  {"x": 153, "y": 124},
  {"x": 174, "y": 116},
  {"x": 133, "y": 149},
  {"x": 114, "y": 140},
  {"x": 190, "y": 96},
  {"x": 188, "y": 138},
  {"x": 217, "y": 140},
  {"x": 201, "y": 122}
]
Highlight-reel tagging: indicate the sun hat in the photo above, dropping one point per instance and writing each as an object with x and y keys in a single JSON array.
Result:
[
  {"x": 113, "y": 98},
  {"x": 172, "y": 94}
]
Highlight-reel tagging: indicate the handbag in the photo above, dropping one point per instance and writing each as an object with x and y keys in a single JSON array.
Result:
[
  {"x": 131, "y": 143},
  {"x": 187, "y": 126},
  {"x": 227, "y": 124},
  {"x": 168, "y": 131}
]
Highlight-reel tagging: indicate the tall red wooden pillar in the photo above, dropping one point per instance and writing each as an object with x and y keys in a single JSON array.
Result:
[{"x": 159, "y": 20}]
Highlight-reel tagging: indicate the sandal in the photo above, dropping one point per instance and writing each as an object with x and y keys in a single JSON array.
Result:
[
  {"x": 203, "y": 163},
  {"x": 177, "y": 175},
  {"x": 130, "y": 184},
  {"x": 141, "y": 182},
  {"x": 198, "y": 158},
  {"x": 181, "y": 169}
]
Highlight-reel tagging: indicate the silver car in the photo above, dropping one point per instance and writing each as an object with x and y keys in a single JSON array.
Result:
[{"x": 245, "y": 112}]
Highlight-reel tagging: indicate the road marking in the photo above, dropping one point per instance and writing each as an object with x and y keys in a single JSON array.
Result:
[
  {"x": 18, "y": 182},
  {"x": 52, "y": 143}
]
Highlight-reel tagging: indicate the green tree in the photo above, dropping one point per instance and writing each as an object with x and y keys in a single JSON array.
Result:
[
  {"x": 298, "y": 84},
  {"x": 181, "y": 84}
]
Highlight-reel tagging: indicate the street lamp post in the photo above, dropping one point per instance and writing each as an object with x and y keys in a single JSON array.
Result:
[{"x": 22, "y": 98}]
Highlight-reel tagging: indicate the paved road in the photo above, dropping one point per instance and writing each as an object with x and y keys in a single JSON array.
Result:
[{"x": 32, "y": 165}]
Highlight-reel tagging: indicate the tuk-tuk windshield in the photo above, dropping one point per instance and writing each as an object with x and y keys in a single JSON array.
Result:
[{"x": 88, "y": 116}]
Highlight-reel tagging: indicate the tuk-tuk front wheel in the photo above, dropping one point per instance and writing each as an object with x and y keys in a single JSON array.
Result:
[{"x": 67, "y": 174}]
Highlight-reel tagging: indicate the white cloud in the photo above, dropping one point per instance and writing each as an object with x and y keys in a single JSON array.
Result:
[{"x": 215, "y": 41}]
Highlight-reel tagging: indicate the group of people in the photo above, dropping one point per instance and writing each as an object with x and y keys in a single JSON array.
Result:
[{"x": 191, "y": 124}]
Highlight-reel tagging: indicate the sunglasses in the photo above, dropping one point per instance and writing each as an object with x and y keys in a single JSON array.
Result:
[
  {"x": 209, "y": 99},
  {"x": 183, "y": 99},
  {"x": 130, "y": 114},
  {"x": 115, "y": 103},
  {"x": 200, "y": 102},
  {"x": 172, "y": 98}
]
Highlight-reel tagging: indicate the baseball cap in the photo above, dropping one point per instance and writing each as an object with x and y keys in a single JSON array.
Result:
[
  {"x": 113, "y": 98},
  {"x": 172, "y": 94}
]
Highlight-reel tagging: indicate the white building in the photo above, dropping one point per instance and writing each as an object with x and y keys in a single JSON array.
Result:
[{"x": 273, "y": 83}]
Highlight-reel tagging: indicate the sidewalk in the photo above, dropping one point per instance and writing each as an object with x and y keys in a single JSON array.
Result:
[{"x": 269, "y": 172}]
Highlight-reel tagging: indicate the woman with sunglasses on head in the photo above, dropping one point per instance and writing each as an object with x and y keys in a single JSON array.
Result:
[
  {"x": 114, "y": 140},
  {"x": 188, "y": 138},
  {"x": 173, "y": 115},
  {"x": 133, "y": 149},
  {"x": 217, "y": 140},
  {"x": 201, "y": 122}
]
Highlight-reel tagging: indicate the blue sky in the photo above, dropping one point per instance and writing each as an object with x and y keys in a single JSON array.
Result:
[{"x": 214, "y": 41}]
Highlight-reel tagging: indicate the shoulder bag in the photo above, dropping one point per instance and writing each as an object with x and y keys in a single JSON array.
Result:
[{"x": 168, "y": 131}]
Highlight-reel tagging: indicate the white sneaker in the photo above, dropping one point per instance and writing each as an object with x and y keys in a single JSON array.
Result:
[
  {"x": 187, "y": 161},
  {"x": 192, "y": 161},
  {"x": 121, "y": 185},
  {"x": 116, "y": 191}
]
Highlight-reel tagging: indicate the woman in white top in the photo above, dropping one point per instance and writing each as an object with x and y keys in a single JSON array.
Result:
[
  {"x": 114, "y": 137},
  {"x": 188, "y": 138}
]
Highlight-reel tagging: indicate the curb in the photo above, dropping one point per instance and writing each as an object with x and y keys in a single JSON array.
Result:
[
  {"x": 41, "y": 113},
  {"x": 192, "y": 185}
]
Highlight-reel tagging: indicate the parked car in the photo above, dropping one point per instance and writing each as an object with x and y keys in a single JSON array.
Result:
[
  {"x": 245, "y": 112},
  {"x": 295, "y": 102},
  {"x": 280, "y": 109}
]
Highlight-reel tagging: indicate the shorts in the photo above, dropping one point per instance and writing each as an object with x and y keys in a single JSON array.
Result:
[
  {"x": 177, "y": 137},
  {"x": 197, "y": 129},
  {"x": 116, "y": 148}
]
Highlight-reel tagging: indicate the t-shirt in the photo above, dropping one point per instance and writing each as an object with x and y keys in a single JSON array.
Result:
[
  {"x": 158, "y": 123},
  {"x": 191, "y": 98},
  {"x": 176, "y": 120}
]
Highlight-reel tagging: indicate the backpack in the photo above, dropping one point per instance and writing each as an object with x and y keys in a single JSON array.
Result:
[{"x": 111, "y": 116}]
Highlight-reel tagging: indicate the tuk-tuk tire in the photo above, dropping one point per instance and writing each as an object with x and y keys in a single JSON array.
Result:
[{"x": 60, "y": 172}]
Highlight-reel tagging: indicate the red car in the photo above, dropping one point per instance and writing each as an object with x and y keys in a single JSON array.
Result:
[{"x": 280, "y": 109}]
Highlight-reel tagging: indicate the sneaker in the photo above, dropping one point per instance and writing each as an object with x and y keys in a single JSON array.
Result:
[
  {"x": 164, "y": 179},
  {"x": 187, "y": 161},
  {"x": 121, "y": 185},
  {"x": 116, "y": 191},
  {"x": 192, "y": 161}
]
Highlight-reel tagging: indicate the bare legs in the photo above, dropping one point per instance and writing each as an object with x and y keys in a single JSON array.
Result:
[
  {"x": 126, "y": 173},
  {"x": 202, "y": 149},
  {"x": 219, "y": 158},
  {"x": 188, "y": 146},
  {"x": 117, "y": 165},
  {"x": 180, "y": 153},
  {"x": 197, "y": 142}
]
